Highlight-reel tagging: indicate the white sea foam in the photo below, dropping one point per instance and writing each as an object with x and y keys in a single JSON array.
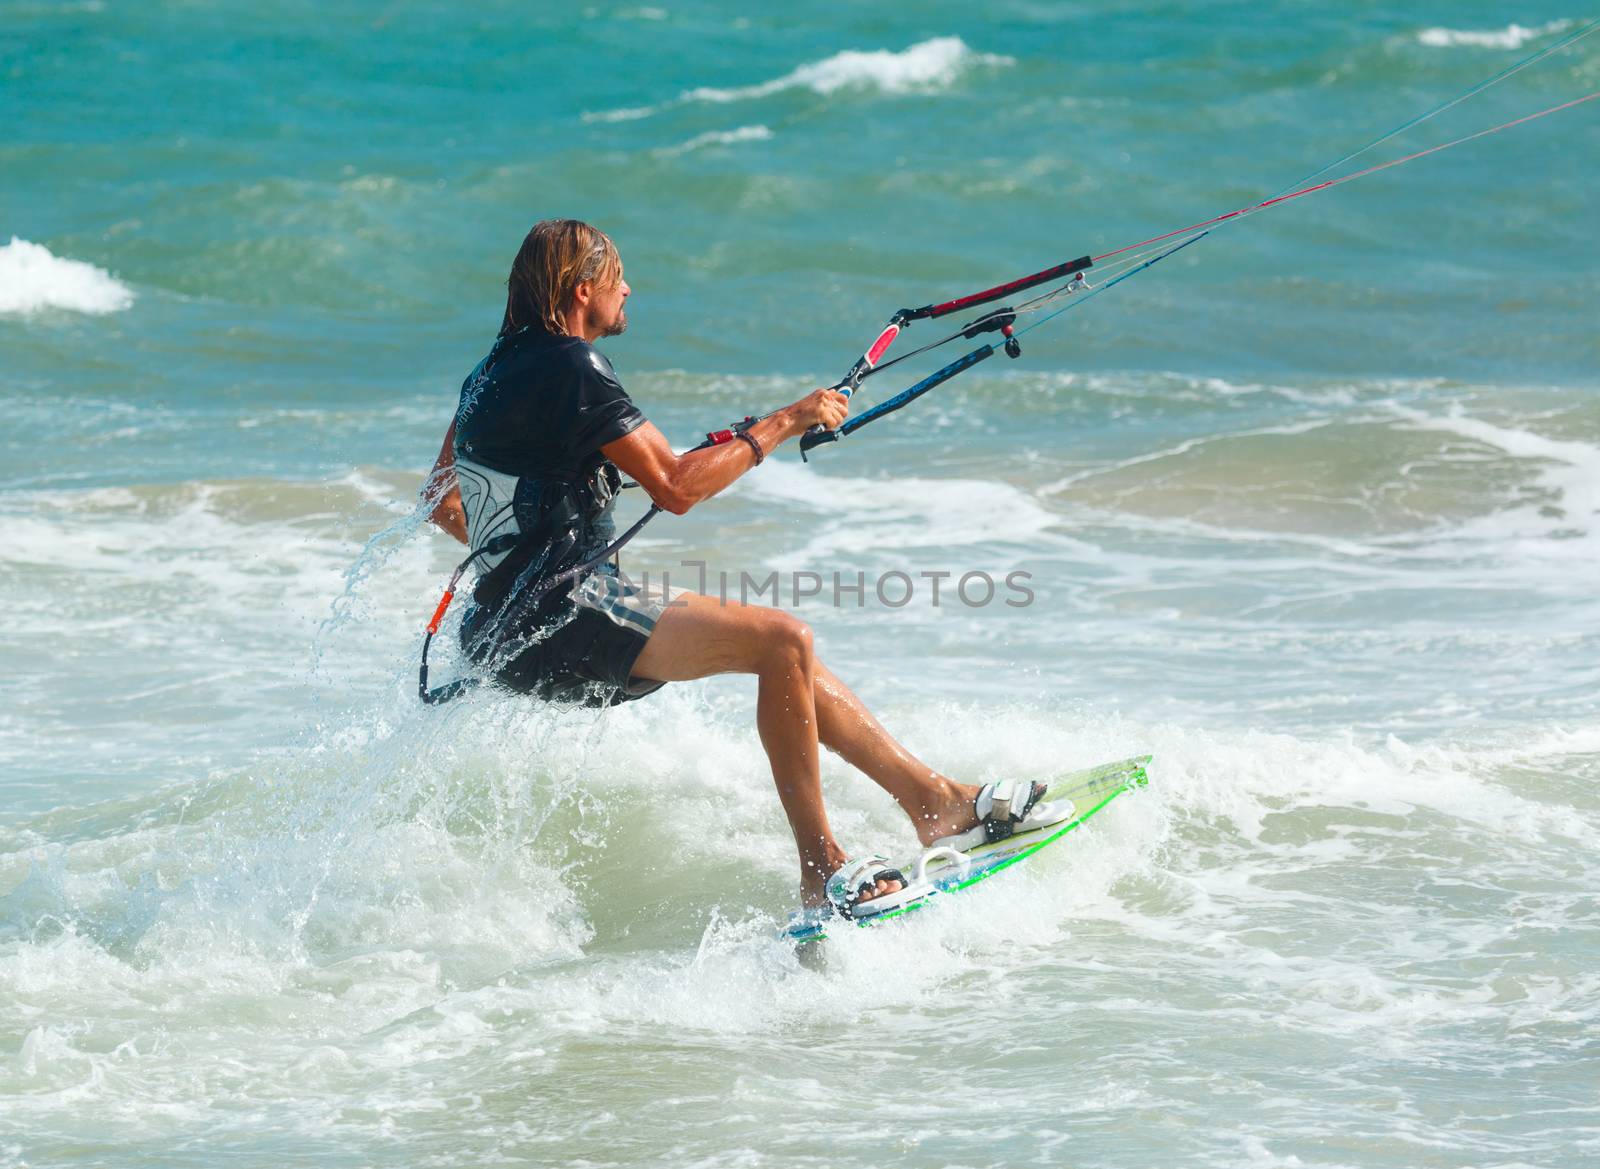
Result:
[
  {"x": 930, "y": 65},
  {"x": 925, "y": 67},
  {"x": 1513, "y": 36},
  {"x": 493, "y": 892},
  {"x": 1536, "y": 535},
  {"x": 856, "y": 518},
  {"x": 631, "y": 114},
  {"x": 189, "y": 596},
  {"x": 33, "y": 280},
  {"x": 718, "y": 138}
]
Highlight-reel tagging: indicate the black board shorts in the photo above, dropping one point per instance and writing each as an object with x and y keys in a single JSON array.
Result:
[{"x": 580, "y": 650}]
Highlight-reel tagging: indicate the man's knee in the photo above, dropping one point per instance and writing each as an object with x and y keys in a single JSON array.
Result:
[{"x": 786, "y": 641}]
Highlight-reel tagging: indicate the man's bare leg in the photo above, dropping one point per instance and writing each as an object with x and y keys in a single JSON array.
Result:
[
  {"x": 937, "y": 805},
  {"x": 701, "y": 636}
]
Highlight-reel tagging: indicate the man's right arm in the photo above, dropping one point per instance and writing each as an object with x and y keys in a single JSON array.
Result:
[
  {"x": 677, "y": 482},
  {"x": 443, "y": 492}
]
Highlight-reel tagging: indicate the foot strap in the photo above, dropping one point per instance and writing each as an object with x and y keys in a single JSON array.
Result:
[
  {"x": 1002, "y": 806},
  {"x": 845, "y": 889}
]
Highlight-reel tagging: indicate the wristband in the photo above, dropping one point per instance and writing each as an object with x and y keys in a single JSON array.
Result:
[{"x": 754, "y": 445}]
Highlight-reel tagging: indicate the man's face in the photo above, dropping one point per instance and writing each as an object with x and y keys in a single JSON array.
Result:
[{"x": 608, "y": 314}]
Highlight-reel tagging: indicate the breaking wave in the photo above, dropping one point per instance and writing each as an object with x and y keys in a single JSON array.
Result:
[
  {"x": 718, "y": 138},
  {"x": 1513, "y": 36},
  {"x": 33, "y": 280},
  {"x": 928, "y": 66}
]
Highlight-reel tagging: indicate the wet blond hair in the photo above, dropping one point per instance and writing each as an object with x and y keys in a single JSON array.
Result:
[{"x": 556, "y": 256}]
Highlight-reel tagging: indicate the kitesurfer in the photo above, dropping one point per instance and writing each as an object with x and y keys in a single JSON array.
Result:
[{"x": 542, "y": 430}]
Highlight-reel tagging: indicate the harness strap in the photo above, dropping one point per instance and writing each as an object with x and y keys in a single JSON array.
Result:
[{"x": 445, "y": 693}]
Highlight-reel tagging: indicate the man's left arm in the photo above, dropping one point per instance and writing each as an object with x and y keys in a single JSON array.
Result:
[{"x": 443, "y": 492}]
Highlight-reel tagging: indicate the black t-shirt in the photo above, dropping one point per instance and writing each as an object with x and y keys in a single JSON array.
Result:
[{"x": 541, "y": 406}]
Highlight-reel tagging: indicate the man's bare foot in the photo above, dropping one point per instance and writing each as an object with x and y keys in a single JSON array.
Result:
[
  {"x": 814, "y": 881},
  {"x": 951, "y": 809}
]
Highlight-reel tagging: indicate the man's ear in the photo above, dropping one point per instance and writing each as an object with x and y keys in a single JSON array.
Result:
[{"x": 582, "y": 294}]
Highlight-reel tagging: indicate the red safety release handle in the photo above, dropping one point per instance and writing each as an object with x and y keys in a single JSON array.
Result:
[{"x": 438, "y": 614}]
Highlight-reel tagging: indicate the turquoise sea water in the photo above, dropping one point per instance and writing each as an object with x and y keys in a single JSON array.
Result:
[{"x": 1311, "y": 511}]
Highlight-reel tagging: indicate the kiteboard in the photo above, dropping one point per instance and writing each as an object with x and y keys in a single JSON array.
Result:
[{"x": 943, "y": 871}]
